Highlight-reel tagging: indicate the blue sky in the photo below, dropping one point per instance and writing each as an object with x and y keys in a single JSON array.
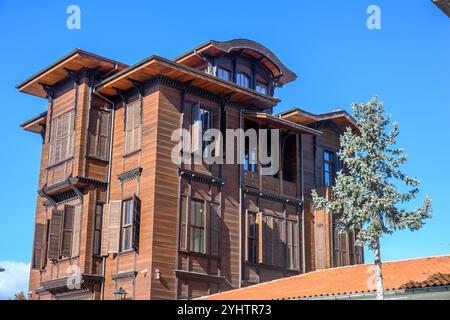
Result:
[{"x": 338, "y": 60}]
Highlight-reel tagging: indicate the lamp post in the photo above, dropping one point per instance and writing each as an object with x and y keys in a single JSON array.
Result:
[{"x": 120, "y": 294}]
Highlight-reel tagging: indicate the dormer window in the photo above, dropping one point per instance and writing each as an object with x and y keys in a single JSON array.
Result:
[
  {"x": 243, "y": 80},
  {"x": 223, "y": 74},
  {"x": 261, "y": 88}
]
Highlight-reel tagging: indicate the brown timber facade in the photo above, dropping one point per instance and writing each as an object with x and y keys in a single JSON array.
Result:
[{"x": 113, "y": 210}]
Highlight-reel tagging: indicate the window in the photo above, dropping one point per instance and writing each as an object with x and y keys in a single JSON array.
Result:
[
  {"x": 197, "y": 226},
  {"x": 133, "y": 123},
  {"x": 200, "y": 226},
  {"x": 340, "y": 246},
  {"x": 261, "y": 88},
  {"x": 131, "y": 210},
  {"x": 61, "y": 138},
  {"x": 67, "y": 232},
  {"x": 99, "y": 133},
  {"x": 98, "y": 230},
  {"x": 250, "y": 163},
  {"x": 252, "y": 232},
  {"x": 223, "y": 74},
  {"x": 243, "y": 80},
  {"x": 272, "y": 240},
  {"x": 328, "y": 168},
  {"x": 127, "y": 224},
  {"x": 201, "y": 123}
]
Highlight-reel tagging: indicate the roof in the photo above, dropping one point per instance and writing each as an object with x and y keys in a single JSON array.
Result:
[
  {"x": 252, "y": 48},
  {"x": 57, "y": 71},
  {"x": 340, "y": 117},
  {"x": 36, "y": 123},
  {"x": 156, "y": 66},
  {"x": 280, "y": 123},
  {"x": 404, "y": 274},
  {"x": 444, "y": 5}
]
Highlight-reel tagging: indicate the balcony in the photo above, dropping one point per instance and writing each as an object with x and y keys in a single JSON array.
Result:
[{"x": 270, "y": 183}]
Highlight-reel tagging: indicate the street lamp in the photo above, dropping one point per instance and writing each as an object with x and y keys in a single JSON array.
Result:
[{"x": 120, "y": 294}]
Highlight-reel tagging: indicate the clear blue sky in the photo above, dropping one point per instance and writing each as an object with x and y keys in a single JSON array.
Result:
[{"x": 327, "y": 43}]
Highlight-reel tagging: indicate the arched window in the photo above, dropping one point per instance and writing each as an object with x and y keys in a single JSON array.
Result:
[{"x": 243, "y": 80}]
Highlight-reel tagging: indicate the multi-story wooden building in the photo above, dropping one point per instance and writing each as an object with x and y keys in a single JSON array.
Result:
[{"x": 114, "y": 211}]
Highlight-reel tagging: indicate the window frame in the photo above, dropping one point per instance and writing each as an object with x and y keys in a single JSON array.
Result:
[
  {"x": 260, "y": 87},
  {"x": 55, "y": 140},
  {"x": 224, "y": 70},
  {"x": 194, "y": 227},
  {"x": 98, "y": 230},
  {"x": 245, "y": 77},
  {"x": 65, "y": 231},
  {"x": 330, "y": 173},
  {"x": 124, "y": 226},
  {"x": 136, "y": 106},
  {"x": 97, "y": 133}
]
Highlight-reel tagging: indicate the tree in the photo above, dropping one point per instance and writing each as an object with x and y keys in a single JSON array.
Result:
[
  {"x": 366, "y": 194},
  {"x": 20, "y": 296}
]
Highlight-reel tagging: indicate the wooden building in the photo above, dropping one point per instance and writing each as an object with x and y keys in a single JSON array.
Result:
[{"x": 113, "y": 211}]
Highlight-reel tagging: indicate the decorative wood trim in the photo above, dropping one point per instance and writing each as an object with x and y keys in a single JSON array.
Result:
[
  {"x": 200, "y": 177},
  {"x": 131, "y": 275},
  {"x": 130, "y": 175},
  {"x": 190, "y": 275},
  {"x": 272, "y": 196}
]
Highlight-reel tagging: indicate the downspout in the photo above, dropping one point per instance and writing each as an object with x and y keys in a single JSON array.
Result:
[
  {"x": 303, "y": 206},
  {"x": 241, "y": 205},
  {"x": 177, "y": 258},
  {"x": 108, "y": 178}
]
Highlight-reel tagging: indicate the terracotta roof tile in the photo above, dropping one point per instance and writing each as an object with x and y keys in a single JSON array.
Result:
[{"x": 404, "y": 274}]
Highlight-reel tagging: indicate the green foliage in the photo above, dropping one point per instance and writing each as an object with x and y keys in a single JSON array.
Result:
[{"x": 366, "y": 194}]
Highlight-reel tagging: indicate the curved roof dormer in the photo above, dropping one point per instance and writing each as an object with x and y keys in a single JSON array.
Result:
[{"x": 251, "y": 48}]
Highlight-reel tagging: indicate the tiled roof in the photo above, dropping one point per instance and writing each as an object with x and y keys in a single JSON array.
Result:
[{"x": 397, "y": 275}]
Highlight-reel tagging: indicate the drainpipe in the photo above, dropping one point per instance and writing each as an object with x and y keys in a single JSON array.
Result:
[
  {"x": 241, "y": 206},
  {"x": 108, "y": 177},
  {"x": 303, "y": 206}
]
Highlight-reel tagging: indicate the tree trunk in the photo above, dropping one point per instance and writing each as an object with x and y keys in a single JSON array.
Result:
[{"x": 379, "y": 275}]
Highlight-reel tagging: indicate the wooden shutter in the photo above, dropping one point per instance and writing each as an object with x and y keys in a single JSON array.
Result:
[
  {"x": 136, "y": 222},
  {"x": 215, "y": 223},
  {"x": 93, "y": 131},
  {"x": 105, "y": 227},
  {"x": 207, "y": 229},
  {"x": 55, "y": 235},
  {"x": 183, "y": 223},
  {"x": 76, "y": 231},
  {"x": 137, "y": 126},
  {"x": 196, "y": 132},
  {"x": 66, "y": 249},
  {"x": 129, "y": 129},
  {"x": 114, "y": 226},
  {"x": 38, "y": 247},
  {"x": 260, "y": 224},
  {"x": 103, "y": 135}
]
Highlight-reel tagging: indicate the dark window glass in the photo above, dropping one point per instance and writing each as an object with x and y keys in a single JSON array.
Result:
[
  {"x": 261, "y": 88},
  {"x": 328, "y": 168},
  {"x": 252, "y": 243},
  {"x": 98, "y": 229},
  {"x": 243, "y": 80},
  {"x": 197, "y": 226},
  {"x": 127, "y": 224},
  {"x": 223, "y": 74}
]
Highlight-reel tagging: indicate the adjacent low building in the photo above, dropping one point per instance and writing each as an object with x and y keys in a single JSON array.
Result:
[{"x": 414, "y": 279}]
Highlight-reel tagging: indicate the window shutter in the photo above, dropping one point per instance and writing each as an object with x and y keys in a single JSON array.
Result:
[
  {"x": 137, "y": 127},
  {"x": 215, "y": 223},
  {"x": 76, "y": 231},
  {"x": 114, "y": 226},
  {"x": 207, "y": 230},
  {"x": 38, "y": 247},
  {"x": 103, "y": 139},
  {"x": 260, "y": 225},
  {"x": 105, "y": 227},
  {"x": 183, "y": 223},
  {"x": 66, "y": 249},
  {"x": 55, "y": 235},
  {"x": 93, "y": 131},
  {"x": 196, "y": 132},
  {"x": 136, "y": 222},
  {"x": 129, "y": 129}
]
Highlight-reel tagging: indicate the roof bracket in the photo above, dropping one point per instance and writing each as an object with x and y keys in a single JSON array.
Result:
[
  {"x": 74, "y": 75},
  {"x": 49, "y": 90},
  {"x": 138, "y": 85},
  {"x": 121, "y": 93}
]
